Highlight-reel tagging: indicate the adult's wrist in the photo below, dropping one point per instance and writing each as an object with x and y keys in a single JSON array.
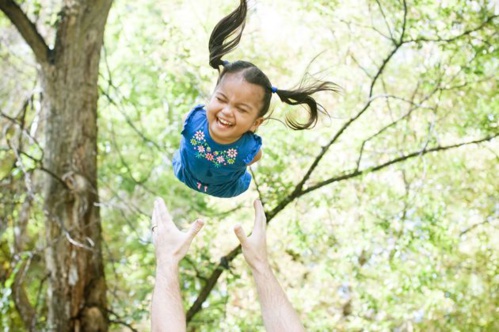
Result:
[
  {"x": 167, "y": 269},
  {"x": 261, "y": 267}
]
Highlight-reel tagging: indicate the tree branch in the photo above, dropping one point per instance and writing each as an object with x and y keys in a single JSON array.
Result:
[
  {"x": 225, "y": 260},
  {"x": 451, "y": 39},
  {"x": 394, "y": 161},
  {"x": 211, "y": 282},
  {"x": 385, "y": 19},
  {"x": 129, "y": 121},
  {"x": 362, "y": 111},
  {"x": 27, "y": 29},
  {"x": 415, "y": 106},
  {"x": 472, "y": 227},
  {"x": 121, "y": 321}
]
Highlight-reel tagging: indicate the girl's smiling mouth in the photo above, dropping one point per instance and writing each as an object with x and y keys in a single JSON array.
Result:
[{"x": 224, "y": 123}]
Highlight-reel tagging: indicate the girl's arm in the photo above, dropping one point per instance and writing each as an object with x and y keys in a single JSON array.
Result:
[{"x": 257, "y": 157}]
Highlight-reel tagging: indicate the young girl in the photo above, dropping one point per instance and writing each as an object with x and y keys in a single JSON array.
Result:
[{"x": 219, "y": 140}]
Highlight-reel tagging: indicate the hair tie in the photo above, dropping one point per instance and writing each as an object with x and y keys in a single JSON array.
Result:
[
  {"x": 273, "y": 89},
  {"x": 225, "y": 63}
]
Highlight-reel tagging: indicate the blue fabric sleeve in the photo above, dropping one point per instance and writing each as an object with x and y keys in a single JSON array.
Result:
[
  {"x": 189, "y": 116},
  {"x": 256, "y": 141}
]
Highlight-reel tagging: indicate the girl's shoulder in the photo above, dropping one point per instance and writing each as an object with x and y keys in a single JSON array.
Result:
[
  {"x": 252, "y": 144},
  {"x": 196, "y": 113},
  {"x": 253, "y": 138},
  {"x": 194, "y": 118}
]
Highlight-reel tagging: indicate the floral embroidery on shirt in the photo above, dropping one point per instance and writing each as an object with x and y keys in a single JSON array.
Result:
[{"x": 218, "y": 158}]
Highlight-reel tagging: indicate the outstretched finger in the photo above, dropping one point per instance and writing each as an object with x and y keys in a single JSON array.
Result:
[
  {"x": 195, "y": 228},
  {"x": 240, "y": 233},
  {"x": 163, "y": 217},
  {"x": 260, "y": 219}
]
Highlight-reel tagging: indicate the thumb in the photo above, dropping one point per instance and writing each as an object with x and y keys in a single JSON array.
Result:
[
  {"x": 240, "y": 233},
  {"x": 195, "y": 228}
]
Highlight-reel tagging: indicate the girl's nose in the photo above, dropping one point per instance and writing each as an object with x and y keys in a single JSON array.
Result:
[{"x": 227, "y": 110}]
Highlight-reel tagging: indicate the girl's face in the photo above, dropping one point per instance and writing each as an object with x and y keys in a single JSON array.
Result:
[{"x": 233, "y": 109}]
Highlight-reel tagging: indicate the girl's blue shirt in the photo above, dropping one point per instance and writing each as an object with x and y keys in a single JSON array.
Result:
[{"x": 208, "y": 167}]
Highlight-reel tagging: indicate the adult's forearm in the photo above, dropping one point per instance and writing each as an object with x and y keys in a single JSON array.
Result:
[
  {"x": 278, "y": 313},
  {"x": 167, "y": 312}
]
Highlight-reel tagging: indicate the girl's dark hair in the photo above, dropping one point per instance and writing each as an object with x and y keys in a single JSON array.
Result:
[{"x": 226, "y": 36}]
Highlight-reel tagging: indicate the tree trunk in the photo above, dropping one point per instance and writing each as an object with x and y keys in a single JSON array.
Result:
[{"x": 69, "y": 74}]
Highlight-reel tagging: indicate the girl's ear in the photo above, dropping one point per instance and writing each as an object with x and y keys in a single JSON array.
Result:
[{"x": 257, "y": 123}]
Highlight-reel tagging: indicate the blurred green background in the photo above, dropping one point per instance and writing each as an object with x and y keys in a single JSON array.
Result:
[{"x": 396, "y": 225}]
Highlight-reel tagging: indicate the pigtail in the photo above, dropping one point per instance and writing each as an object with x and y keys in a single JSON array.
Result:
[
  {"x": 226, "y": 35},
  {"x": 302, "y": 96}
]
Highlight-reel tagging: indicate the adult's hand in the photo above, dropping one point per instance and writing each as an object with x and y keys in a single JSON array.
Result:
[
  {"x": 171, "y": 244},
  {"x": 277, "y": 312},
  {"x": 255, "y": 246}
]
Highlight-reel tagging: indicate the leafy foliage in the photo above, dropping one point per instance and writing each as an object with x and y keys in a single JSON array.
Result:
[{"x": 383, "y": 234}]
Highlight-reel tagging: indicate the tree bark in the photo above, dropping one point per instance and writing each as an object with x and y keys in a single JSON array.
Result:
[{"x": 69, "y": 74}]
